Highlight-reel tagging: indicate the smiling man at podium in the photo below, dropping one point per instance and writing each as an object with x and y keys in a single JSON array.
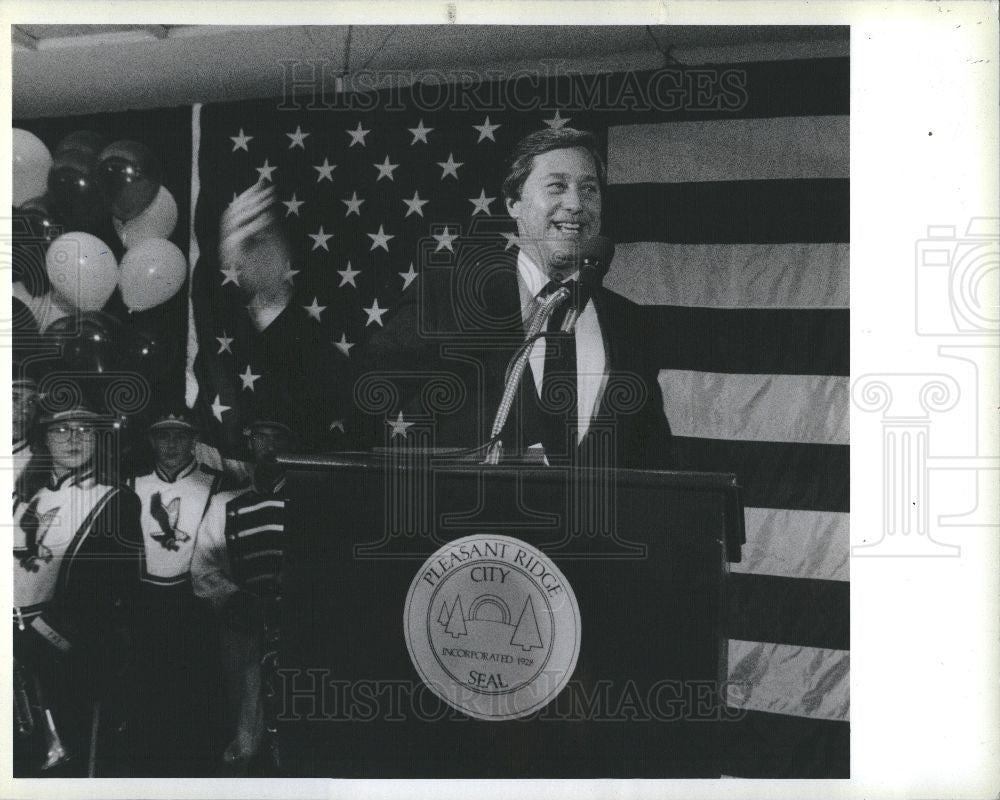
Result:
[{"x": 529, "y": 331}]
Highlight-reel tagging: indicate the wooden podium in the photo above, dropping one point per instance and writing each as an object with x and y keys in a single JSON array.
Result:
[{"x": 644, "y": 552}]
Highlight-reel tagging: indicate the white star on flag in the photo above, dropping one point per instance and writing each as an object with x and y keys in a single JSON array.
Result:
[
  {"x": 374, "y": 313},
  {"x": 240, "y": 142},
  {"x": 348, "y": 275},
  {"x": 320, "y": 238},
  {"x": 325, "y": 170},
  {"x": 486, "y": 131},
  {"x": 353, "y": 205},
  {"x": 450, "y": 167},
  {"x": 444, "y": 240},
  {"x": 415, "y": 205},
  {"x": 314, "y": 309},
  {"x": 249, "y": 379},
  {"x": 265, "y": 171},
  {"x": 481, "y": 203},
  {"x": 292, "y": 205},
  {"x": 399, "y": 426},
  {"x": 298, "y": 138},
  {"x": 511, "y": 240},
  {"x": 231, "y": 276},
  {"x": 290, "y": 274},
  {"x": 343, "y": 345},
  {"x": 419, "y": 133},
  {"x": 556, "y": 122},
  {"x": 408, "y": 277},
  {"x": 218, "y": 409},
  {"x": 380, "y": 239},
  {"x": 385, "y": 170},
  {"x": 224, "y": 342},
  {"x": 358, "y": 136}
]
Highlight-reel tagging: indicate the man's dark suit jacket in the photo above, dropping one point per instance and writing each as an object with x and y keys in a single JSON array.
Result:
[{"x": 442, "y": 356}]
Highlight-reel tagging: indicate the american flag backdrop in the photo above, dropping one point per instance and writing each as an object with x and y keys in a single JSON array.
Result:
[{"x": 731, "y": 221}]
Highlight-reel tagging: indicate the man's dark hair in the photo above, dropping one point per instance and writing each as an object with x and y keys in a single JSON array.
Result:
[{"x": 534, "y": 144}]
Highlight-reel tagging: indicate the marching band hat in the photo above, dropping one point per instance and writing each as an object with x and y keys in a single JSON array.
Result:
[
  {"x": 259, "y": 424},
  {"x": 75, "y": 414},
  {"x": 181, "y": 420}
]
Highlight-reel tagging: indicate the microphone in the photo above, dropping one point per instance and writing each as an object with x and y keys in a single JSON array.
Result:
[
  {"x": 517, "y": 365},
  {"x": 590, "y": 259}
]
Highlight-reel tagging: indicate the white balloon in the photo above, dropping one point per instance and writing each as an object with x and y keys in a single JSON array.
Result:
[
  {"x": 82, "y": 269},
  {"x": 152, "y": 272},
  {"x": 157, "y": 221},
  {"x": 31, "y": 163}
]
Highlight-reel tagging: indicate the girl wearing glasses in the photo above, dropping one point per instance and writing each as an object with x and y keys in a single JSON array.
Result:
[{"x": 77, "y": 563}]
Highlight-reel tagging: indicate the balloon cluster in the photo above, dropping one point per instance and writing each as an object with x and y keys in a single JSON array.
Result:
[
  {"x": 66, "y": 199},
  {"x": 96, "y": 343}
]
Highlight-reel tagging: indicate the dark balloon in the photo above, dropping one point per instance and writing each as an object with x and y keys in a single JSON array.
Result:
[
  {"x": 90, "y": 143},
  {"x": 88, "y": 343},
  {"x": 75, "y": 193},
  {"x": 34, "y": 228},
  {"x": 43, "y": 223},
  {"x": 130, "y": 175},
  {"x": 148, "y": 353}
]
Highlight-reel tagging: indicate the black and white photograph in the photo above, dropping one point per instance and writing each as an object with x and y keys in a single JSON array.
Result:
[{"x": 468, "y": 401}]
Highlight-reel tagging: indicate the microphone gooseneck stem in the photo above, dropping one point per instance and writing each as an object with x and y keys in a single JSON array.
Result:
[
  {"x": 569, "y": 324},
  {"x": 516, "y": 371}
]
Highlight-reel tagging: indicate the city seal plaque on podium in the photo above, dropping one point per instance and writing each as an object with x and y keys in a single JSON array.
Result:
[{"x": 492, "y": 627}]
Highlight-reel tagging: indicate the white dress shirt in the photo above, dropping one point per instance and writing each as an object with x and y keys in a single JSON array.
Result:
[{"x": 591, "y": 362}]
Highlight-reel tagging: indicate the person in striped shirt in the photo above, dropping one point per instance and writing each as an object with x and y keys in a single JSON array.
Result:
[{"x": 236, "y": 568}]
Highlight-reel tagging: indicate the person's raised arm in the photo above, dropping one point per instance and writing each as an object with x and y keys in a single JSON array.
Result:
[{"x": 252, "y": 243}]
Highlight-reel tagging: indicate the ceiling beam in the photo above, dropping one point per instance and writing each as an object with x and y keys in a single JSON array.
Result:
[{"x": 19, "y": 37}]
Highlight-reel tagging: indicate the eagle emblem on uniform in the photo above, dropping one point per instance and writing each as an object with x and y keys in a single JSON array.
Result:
[
  {"x": 35, "y": 528},
  {"x": 169, "y": 537}
]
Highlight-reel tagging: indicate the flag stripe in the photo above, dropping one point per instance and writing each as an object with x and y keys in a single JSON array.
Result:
[
  {"x": 813, "y": 477},
  {"x": 730, "y": 150},
  {"x": 766, "y": 608},
  {"x": 772, "y": 89},
  {"x": 732, "y": 226},
  {"x": 730, "y": 212},
  {"x": 758, "y": 341},
  {"x": 732, "y": 276},
  {"x": 194, "y": 253},
  {"x": 796, "y": 544},
  {"x": 811, "y": 409},
  {"x": 786, "y": 679},
  {"x": 763, "y": 745}
]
